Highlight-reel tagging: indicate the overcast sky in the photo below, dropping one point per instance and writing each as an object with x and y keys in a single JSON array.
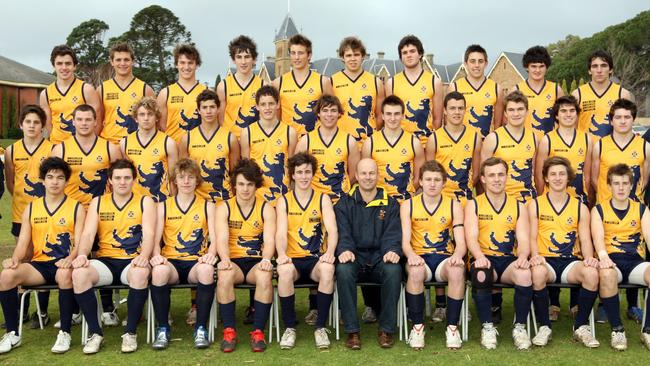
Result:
[{"x": 29, "y": 29}]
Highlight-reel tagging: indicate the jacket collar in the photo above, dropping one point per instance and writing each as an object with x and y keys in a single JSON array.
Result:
[{"x": 381, "y": 199}]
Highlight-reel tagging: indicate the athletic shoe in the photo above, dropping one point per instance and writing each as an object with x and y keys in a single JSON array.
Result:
[
  {"x": 583, "y": 334},
  {"x": 619, "y": 341},
  {"x": 229, "y": 341},
  {"x": 249, "y": 318},
  {"x": 76, "y": 320},
  {"x": 368, "y": 315},
  {"x": 496, "y": 315},
  {"x": 258, "y": 344},
  {"x": 321, "y": 338},
  {"x": 288, "y": 340},
  {"x": 110, "y": 319},
  {"x": 201, "y": 338},
  {"x": 62, "y": 344},
  {"x": 520, "y": 337},
  {"x": 489, "y": 336},
  {"x": 439, "y": 315},
  {"x": 9, "y": 341},
  {"x": 452, "y": 337},
  {"x": 311, "y": 317},
  {"x": 543, "y": 336},
  {"x": 162, "y": 339},
  {"x": 191, "y": 316},
  {"x": 645, "y": 339},
  {"x": 416, "y": 337},
  {"x": 93, "y": 344},
  {"x": 601, "y": 315},
  {"x": 553, "y": 312},
  {"x": 34, "y": 324},
  {"x": 129, "y": 343},
  {"x": 635, "y": 313}
]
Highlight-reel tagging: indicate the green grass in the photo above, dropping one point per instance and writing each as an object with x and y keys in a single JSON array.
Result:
[{"x": 35, "y": 349}]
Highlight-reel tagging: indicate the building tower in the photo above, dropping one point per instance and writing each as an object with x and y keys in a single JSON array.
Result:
[{"x": 282, "y": 59}]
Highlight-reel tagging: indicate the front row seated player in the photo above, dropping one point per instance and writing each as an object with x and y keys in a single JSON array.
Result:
[
  {"x": 433, "y": 242},
  {"x": 53, "y": 224},
  {"x": 245, "y": 234},
  {"x": 561, "y": 250},
  {"x": 181, "y": 253},
  {"x": 502, "y": 224},
  {"x": 124, "y": 223},
  {"x": 304, "y": 216},
  {"x": 620, "y": 228}
]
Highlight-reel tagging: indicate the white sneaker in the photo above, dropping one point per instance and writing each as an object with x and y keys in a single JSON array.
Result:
[
  {"x": 489, "y": 336},
  {"x": 62, "y": 344},
  {"x": 322, "y": 339},
  {"x": 129, "y": 342},
  {"x": 583, "y": 334},
  {"x": 288, "y": 340},
  {"x": 76, "y": 320},
  {"x": 543, "y": 336},
  {"x": 416, "y": 337},
  {"x": 110, "y": 319},
  {"x": 368, "y": 315},
  {"x": 520, "y": 337},
  {"x": 619, "y": 341},
  {"x": 93, "y": 344},
  {"x": 452, "y": 336},
  {"x": 9, "y": 341},
  {"x": 645, "y": 339},
  {"x": 439, "y": 315}
]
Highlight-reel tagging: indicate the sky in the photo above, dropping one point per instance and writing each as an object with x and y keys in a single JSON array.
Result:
[{"x": 29, "y": 28}]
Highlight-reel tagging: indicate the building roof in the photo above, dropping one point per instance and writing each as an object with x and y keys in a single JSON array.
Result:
[
  {"x": 287, "y": 29},
  {"x": 516, "y": 60},
  {"x": 16, "y": 74},
  {"x": 374, "y": 65},
  {"x": 327, "y": 66},
  {"x": 270, "y": 68}
]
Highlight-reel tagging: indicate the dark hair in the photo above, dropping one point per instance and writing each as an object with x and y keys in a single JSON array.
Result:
[
  {"x": 392, "y": 100},
  {"x": 54, "y": 163},
  {"x": 620, "y": 170},
  {"x": 122, "y": 164},
  {"x": 475, "y": 48},
  {"x": 84, "y": 108},
  {"x": 32, "y": 108},
  {"x": 189, "y": 50},
  {"x": 516, "y": 97},
  {"x": 602, "y": 54},
  {"x": 62, "y": 50},
  {"x": 410, "y": 40},
  {"x": 558, "y": 160},
  {"x": 435, "y": 167},
  {"x": 622, "y": 104},
  {"x": 121, "y": 47},
  {"x": 492, "y": 161},
  {"x": 536, "y": 54},
  {"x": 300, "y": 40},
  {"x": 454, "y": 95},
  {"x": 302, "y": 158},
  {"x": 267, "y": 90},
  {"x": 186, "y": 165},
  {"x": 242, "y": 44},
  {"x": 565, "y": 100},
  {"x": 206, "y": 95},
  {"x": 352, "y": 43},
  {"x": 327, "y": 100},
  {"x": 250, "y": 170}
]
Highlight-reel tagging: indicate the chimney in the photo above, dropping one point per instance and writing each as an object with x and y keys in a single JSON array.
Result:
[
  {"x": 429, "y": 58},
  {"x": 380, "y": 55}
]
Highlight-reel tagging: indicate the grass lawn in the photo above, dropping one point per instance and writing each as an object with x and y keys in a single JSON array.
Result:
[{"x": 35, "y": 349}]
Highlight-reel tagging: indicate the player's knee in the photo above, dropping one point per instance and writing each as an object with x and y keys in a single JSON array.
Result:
[
  {"x": 326, "y": 271},
  {"x": 455, "y": 274},
  {"x": 225, "y": 278},
  {"x": 160, "y": 275},
  {"x": 80, "y": 276},
  {"x": 416, "y": 274},
  {"x": 482, "y": 279},
  {"x": 590, "y": 278},
  {"x": 608, "y": 277},
  {"x": 205, "y": 273},
  {"x": 539, "y": 275},
  {"x": 138, "y": 277},
  {"x": 8, "y": 278},
  {"x": 522, "y": 277},
  {"x": 63, "y": 278},
  {"x": 285, "y": 271}
]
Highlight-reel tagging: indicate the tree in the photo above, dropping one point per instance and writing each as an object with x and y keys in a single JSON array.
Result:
[
  {"x": 564, "y": 87},
  {"x": 574, "y": 85},
  {"x": 153, "y": 34},
  {"x": 217, "y": 81},
  {"x": 87, "y": 40}
]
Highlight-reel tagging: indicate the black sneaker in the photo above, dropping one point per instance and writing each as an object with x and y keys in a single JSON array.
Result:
[
  {"x": 45, "y": 318},
  {"x": 496, "y": 314},
  {"x": 249, "y": 318}
]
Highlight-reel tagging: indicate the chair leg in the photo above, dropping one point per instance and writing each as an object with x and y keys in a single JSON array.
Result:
[
  {"x": 465, "y": 315},
  {"x": 592, "y": 323},
  {"x": 643, "y": 307},
  {"x": 213, "y": 320},
  {"x": 534, "y": 317},
  {"x": 335, "y": 305},
  {"x": 22, "y": 311},
  {"x": 404, "y": 310},
  {"x": 150, "y": 319}
]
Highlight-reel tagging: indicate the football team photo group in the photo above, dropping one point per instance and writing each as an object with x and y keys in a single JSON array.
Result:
[{"x": 393, "y": 200}]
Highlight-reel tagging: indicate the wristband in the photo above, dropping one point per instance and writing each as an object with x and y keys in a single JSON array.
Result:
[{"x": 265, "y": 260}]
